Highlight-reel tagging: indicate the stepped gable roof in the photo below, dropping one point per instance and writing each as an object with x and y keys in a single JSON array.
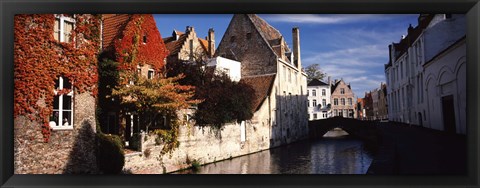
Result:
[
  {"x": 113, "y": 26},
  {"x": 269, "y": 34},
  {"x": 262, "y": 84},
  {"x": 174, "y": 46},
  {"x": 413, "y": 34},
  {"x": 316, "y": 82}
]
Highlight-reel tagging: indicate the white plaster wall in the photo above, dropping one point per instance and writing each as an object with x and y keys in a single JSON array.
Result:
[
  {"x": 319, "y": 97},
  {"x": 234, "y": 67},
  {"x": 446, "y": 75}
]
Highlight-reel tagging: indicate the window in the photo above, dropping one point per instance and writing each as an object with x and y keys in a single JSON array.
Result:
[
  {"x": 62, "y": 117},
  {"x": 308, "y": 103},
  {"x": 139, "y": 70},
  {"x": 151, "y": 74},
  {"x": 324, "y": 114},
  {"x": 324, "y": 93},
  {"x": 342, "y": 101},
  {"x": 63, "y": 28},
  {"x": 340, "y": 113},
  {"x": 232, "y": 39},
  {"x": 350, "y": 102},
  {"x": 335, "y": 101},
  {"x": 324, "y": 102},
  {"x": 314, "y": 103},
  {"x": 226, "y": 71},
  {"x": 314, "y": 116},
  {"x": 144, "y": 38},
  {"x": 335, "y": 113},
  {"x": 342, "y": 90},
  {"x": 249, "y": 35},
  {"x": 314, "y": 92},
  {"x": 308, "y": 92}
]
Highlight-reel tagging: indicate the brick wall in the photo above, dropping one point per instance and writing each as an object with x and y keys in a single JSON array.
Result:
[{"x": 68, "y": 151}]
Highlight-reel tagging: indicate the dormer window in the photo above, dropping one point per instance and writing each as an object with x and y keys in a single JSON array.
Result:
[{"x": 63, "y": 28}]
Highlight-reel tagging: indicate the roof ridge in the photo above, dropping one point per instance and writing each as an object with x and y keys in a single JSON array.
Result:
[{"x": 260, "y": 32}]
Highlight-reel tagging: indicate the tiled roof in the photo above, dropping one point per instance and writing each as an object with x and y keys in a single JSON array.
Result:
[
  {"x": 262, "y": 84},
  {"x": 270, "y": 34},
  {"x": 174, "y": 46},
  {"x": 316, "y": 82},
  {"x": 113, "y": 25}
]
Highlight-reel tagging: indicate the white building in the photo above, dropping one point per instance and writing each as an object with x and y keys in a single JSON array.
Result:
[
  {"x": 425, "y": 83},
  {"x": 227, "y": 66},
  {"x": 318, "y": 103}
]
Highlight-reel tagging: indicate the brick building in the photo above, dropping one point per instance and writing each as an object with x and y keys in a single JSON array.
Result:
[
  {"x": 70, "y": 145},
  {"x": 342, "y": 97},
  {"x": 262, "y": 50}
]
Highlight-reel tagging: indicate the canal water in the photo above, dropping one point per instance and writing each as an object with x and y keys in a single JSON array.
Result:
[{"x": 329, "y": 155}]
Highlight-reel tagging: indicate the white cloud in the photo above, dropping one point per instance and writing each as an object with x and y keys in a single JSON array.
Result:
[{"x": 323, "y": 18}]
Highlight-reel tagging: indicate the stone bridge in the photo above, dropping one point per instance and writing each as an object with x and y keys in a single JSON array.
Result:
[{"x": 364, "y": 130}]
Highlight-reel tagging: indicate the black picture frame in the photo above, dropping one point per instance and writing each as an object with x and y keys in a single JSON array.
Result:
[{"x": 8, "y": 8}]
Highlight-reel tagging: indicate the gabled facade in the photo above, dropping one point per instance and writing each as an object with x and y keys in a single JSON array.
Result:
[
  {"x": 318, "y": 102},
  {"x": 187, "y": 47},
  {"x": 133, "y": 41},
  {"x": 54, "y": 95},
  {"x": 420, "y": 91},
  {"x": 262, "y": 50},
  {"x": 343, "y": 100}
]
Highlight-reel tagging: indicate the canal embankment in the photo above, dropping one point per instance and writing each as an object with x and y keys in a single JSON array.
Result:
[{"x": 413, "y": 150}]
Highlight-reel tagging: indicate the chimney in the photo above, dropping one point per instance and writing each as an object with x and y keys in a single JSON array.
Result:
[
  {"x": 296, "y": 48},
  {"x": 211, "y": 42},
  {"x": 410, "y": 29},
  {"x": 329, "y": 80},
  {"x": 189, "y": 29}
]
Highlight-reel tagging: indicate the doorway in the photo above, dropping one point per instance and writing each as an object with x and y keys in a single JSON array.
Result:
[
  {"x": 420, "y": 120},
  {"x": 448, "y": 114}
]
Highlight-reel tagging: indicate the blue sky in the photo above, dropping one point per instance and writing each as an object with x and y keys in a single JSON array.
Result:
[{"x": 349, "y": 46}]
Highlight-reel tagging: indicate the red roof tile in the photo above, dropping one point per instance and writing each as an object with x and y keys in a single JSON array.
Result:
[
  {"x": 262, "y": 84},
  {"x": 113, "y": 25}
]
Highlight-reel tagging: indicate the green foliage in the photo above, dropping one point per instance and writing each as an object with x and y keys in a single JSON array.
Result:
[
  {"x": 108, "y": 79},
  {"x": 223, "y": 100},
  {"x": 313, "y": 72},
  {"x": 110, "y": 157},
  {"x": 168, "y": 136}
]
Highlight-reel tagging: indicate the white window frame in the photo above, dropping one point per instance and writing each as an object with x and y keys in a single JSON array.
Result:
[
  {"x": 148, "y": 74},
  {"x": 57, "y": 125},
  {"x": 62, "y": 19},
  {"x": 314, "y": 92}
]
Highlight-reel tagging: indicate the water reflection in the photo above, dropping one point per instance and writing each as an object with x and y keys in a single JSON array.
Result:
[{"x": 340, "y": 155}]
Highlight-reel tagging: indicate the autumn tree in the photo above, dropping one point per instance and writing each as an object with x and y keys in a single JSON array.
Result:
[
  {"x": 313, "y": 71},
  {"x": 153, "y": 97}
]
